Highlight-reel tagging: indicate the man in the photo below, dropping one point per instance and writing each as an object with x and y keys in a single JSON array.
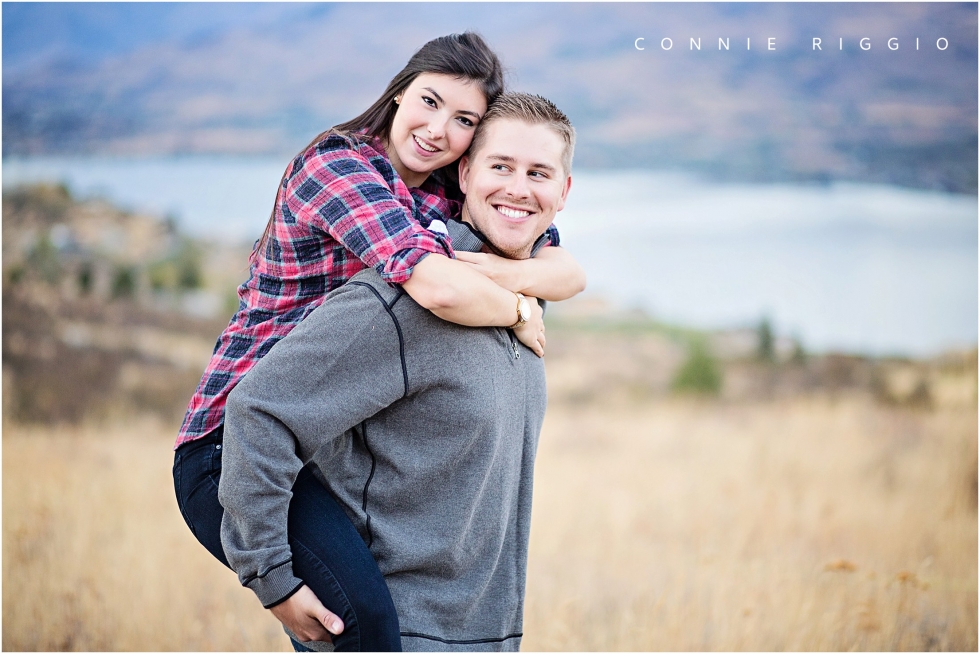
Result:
[{"x": 424, "y": 431}]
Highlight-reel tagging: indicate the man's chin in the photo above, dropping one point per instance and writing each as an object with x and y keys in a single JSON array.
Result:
[
  {"x": 503, "y": 242},
  {"x": 511, "y": 251}
]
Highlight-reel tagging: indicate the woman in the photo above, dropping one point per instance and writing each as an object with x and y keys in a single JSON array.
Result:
[{"x": 361, "y": 194}]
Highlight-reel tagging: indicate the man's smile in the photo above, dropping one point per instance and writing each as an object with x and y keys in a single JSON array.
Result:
[{"x": 512, "y": 212}]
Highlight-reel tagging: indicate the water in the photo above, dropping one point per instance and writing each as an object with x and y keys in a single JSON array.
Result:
[
  {"x": 856, "y": 267},
  {"x": 220, "y": 197}
]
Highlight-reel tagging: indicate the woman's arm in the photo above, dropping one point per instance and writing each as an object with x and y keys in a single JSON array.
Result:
[
  {"x": 552, "y": 274},
  {"x": 456, "y": 292},
  {"x": 339, "y": 191}
]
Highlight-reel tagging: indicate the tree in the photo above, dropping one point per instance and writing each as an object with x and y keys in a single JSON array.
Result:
[{"x": 767, "y": 349}]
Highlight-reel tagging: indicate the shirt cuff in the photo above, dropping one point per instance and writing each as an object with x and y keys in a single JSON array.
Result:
[
  {"x": 399, "y": 266},
  {"x": 277, "y": 585}
]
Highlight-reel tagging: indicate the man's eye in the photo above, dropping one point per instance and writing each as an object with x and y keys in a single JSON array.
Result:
[
  {"x": 498, "y": 167},
  {"x": 538, "y": 173}
]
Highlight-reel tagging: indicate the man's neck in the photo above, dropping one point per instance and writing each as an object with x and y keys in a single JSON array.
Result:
[
  {"x": 465, "y": 237},
  {"x": 487, "y": 245}
]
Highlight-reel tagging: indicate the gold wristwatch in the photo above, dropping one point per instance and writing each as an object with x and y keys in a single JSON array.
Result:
[{"x": 523, "y": 311}]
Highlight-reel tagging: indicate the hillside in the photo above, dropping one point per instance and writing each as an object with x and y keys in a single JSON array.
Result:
[
  {"x": 202, "y": 78},
  {"x": 105, "y": 311}
]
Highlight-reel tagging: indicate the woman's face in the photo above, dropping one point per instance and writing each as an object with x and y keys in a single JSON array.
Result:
[{"x": 434, "y": 124}]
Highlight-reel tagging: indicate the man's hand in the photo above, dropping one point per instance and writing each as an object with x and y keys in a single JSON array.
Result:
[
  {"x": 504, "y": 272},
  {"x": 531, "y": 333},
  {"x": 307, "y": 617}
]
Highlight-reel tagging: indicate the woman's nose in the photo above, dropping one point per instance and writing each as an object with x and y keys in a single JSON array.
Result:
[{"x": 437, "y": 128}]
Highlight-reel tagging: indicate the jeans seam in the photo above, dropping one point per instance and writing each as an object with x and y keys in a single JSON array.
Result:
[
  {"x": 214, "y": 471},
  {"x": 178, "y": 479}
]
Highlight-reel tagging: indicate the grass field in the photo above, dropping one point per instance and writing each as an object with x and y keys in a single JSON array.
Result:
[{"x": 813, "y": 523}]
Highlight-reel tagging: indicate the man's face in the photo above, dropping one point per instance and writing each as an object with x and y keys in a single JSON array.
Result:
[{"x": 514, "y": 185}]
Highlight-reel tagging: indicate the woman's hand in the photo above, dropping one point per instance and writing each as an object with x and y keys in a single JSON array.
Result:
[
  {"x": 504, "y": 272},
  {"x": 306, "y": 617},
  {"x": 552, "y": 274},
  {"x": 531, "y": 333}
]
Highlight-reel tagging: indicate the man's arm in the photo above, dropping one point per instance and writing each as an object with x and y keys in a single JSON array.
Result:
[{"x": 340, "y": 366}]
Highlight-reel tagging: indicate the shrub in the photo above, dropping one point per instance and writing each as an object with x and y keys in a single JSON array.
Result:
[
  {"x": 124, "y": 282},
  {"x": 700, "y": 373}
]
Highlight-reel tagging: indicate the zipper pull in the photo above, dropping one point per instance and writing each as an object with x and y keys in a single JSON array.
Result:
[{"x": 517, "y": 352}]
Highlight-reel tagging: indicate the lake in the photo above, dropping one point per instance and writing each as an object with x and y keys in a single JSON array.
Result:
[{"x": 854, "y": 267}]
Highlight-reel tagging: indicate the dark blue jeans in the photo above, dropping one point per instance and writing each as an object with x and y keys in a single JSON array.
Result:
[{"x": 328, "y": 553}]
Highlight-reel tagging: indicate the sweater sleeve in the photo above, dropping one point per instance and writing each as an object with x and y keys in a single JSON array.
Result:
[
  {"x": 341, "y": 191},
  {"x": 340, "y": 366}
]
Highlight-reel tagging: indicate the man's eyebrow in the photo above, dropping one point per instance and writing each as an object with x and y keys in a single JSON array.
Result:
[
  {"x": 439, "y": 98},
  {"x": 508, "y": 159}
]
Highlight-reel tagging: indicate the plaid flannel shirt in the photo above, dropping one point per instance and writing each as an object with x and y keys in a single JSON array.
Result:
[{"x": 341, "y": 208}]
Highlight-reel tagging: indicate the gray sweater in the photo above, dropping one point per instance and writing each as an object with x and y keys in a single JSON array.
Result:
[{"x": 448, "y": 419}]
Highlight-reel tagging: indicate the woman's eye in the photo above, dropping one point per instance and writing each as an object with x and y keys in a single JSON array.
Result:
[
  {"x": 429, "y": 101},
  {"x": 466, "y": 121}
]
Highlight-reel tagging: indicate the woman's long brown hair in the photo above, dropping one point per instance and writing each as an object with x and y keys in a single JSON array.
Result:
[{"x": 465, "y": 56}]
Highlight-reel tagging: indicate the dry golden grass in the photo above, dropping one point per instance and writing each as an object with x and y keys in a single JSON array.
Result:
[
  {"x": 808, "y": 524},
  {"x": 97, "y": 557}
]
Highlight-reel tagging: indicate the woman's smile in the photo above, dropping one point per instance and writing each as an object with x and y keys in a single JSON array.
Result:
[{"x": 425, "y": 146}]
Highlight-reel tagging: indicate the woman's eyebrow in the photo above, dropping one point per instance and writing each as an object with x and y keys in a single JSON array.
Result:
[
  {"x": 461, "y": 111},
  {"x": 435, "y": 93}
]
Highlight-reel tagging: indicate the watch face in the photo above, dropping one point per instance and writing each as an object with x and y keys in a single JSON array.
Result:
[{"x": 525, "y": 310}]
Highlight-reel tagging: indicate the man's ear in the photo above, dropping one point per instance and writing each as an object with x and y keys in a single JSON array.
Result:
[
  {"x": 464, "y": 169},
  {"x": 564, "y": 193}
]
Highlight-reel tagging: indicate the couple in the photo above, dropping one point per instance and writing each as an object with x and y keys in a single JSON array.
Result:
[{"x": 377, "y": 462}]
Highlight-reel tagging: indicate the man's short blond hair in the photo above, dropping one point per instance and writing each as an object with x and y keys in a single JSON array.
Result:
[{"x": 531, "y": 109}]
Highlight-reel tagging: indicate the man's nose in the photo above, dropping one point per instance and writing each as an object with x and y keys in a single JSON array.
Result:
[{"x": 517, "y": 186}]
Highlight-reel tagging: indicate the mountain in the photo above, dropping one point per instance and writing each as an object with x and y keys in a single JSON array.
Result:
[{"x": 257, "y": 78}]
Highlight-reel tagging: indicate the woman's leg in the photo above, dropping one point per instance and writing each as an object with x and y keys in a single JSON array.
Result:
[
  {"x": 328, "y": 553},
  {"x": 330, "y": 556},
  {"x": 197, "y": 469}
]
